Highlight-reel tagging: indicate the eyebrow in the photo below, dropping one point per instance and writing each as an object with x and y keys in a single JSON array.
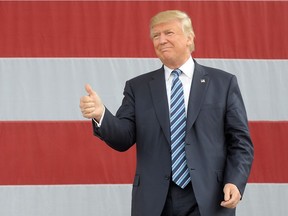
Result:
[{"x": 166, "y": 30}]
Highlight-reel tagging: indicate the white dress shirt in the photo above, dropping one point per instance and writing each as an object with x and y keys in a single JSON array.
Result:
[{"x": 186, "y": 78}]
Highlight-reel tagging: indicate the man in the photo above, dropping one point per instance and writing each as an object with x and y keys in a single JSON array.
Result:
[{"x": 189, "y": 123}]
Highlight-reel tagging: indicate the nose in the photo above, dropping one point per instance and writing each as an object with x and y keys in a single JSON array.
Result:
[{"x": 162, "y": 39}]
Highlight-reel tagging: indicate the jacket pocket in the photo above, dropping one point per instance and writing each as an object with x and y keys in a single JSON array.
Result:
[{"x": 220, "y": 176}]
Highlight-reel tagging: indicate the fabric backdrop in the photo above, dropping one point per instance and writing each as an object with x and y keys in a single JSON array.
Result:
[{"x": 50, "y": 163}]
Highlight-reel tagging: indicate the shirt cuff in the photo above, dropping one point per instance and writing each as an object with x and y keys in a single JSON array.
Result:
[{"x": 98, "y": 124}]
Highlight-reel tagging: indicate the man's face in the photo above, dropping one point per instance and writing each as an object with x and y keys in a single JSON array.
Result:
[{"x": 171, "y": 44}]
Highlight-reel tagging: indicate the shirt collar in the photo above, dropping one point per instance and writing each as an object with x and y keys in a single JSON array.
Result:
[{"x": 187, "y": 68}]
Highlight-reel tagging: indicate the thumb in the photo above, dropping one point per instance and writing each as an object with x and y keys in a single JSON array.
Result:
[
  {"x": 227, "y": 193},
  {"x": 89, "y": 90}
]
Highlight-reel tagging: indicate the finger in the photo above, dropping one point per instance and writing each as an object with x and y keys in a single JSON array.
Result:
[
  {"x": 232, "y": 203},
  {"x": 227, "y": 193},
  {"x": 86, "y": 99},
  {"x": 88, "y": 115},
  {"x": 85, "y": 108},
  {"x": 87, "y": 102},
  {"x": 88, "y": 110},
  {"x": 228, "y": 204},
  {"x": 89, "y": 90},
  {"x": 86, "y": 105}
]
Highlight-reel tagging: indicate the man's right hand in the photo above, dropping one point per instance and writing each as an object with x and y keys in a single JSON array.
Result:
[{"x": 91, "y": 105}]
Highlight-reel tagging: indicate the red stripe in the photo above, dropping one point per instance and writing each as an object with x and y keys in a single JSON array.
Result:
[
  {"x": 256, "y": 29},
  {"x": 271, "y": 152},
  {"x": 67, "y": 153},
  {"x": 59, "y": 153}
]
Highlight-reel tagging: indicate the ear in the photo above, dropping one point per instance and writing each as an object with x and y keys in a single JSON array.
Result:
[{"x": 190, "y": 39}]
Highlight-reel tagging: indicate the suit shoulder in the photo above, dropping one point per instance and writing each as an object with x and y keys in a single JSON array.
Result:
[
  {"x": 145, "y": 77},
  {"x": 216, "y": 72},
  {"x": 218, "y": 77}
]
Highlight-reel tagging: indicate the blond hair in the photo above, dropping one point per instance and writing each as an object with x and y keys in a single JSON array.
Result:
[{"x": 169, "y": 15}]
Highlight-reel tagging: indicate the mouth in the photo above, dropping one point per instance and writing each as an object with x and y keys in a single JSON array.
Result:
[{"x": 164, "y": 49}]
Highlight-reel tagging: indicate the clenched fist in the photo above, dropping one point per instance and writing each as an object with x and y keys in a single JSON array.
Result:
[
  {"x": 232, "y": 196},
  {"x": 91, "y": 105}
]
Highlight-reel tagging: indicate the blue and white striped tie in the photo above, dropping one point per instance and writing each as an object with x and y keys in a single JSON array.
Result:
[{"x": 180, "y": 172}]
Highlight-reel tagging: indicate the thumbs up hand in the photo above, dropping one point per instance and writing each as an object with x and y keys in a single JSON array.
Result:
[{"x": 91, "y": 105}]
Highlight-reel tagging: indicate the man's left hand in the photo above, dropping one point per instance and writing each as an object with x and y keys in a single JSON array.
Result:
[{"x": 232, "y": 196}]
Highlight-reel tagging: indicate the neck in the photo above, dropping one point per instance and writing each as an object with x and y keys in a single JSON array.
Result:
[{"x": 176, "y": 64}]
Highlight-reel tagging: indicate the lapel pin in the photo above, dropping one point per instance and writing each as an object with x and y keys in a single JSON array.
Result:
[{"x": 203, "y": 81}]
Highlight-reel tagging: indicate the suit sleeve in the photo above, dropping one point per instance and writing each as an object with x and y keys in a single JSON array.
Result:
[
  {"x": 240, "y": 151},
  {"x": 119, "y": 131}
]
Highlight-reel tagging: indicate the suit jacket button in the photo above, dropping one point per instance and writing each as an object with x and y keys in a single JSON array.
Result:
[{"x": 167, "y": 177}]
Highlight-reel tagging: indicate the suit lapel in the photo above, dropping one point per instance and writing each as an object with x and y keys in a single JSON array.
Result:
[
  {"x": 160, "y": 102},
  {"x": 197, "y": 92},
  {"x": 159, "y": 97}
]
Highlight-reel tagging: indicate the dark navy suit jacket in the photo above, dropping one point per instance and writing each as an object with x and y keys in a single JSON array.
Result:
[{"x": 218, "y": 145}]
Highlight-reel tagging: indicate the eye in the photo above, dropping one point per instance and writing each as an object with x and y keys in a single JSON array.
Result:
[
  {"x": 155, "y": 36},
  {"x": 169, "y": 33}
]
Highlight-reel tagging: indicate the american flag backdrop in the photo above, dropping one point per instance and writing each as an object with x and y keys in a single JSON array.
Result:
[{"x": 51, "y": 164}]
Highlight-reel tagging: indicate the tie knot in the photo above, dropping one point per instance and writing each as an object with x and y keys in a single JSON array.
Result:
[{"x": 176, "y": 72}]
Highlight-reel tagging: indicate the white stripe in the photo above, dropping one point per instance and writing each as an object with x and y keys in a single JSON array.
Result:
[
  {"x": 50, "y": 88},
  {"x": 111, "y": 200},
  {"x": 180, "y": 157},
  {"x": 264, "y": 200},
  {"x": 65, "y": 200},
  {"x": 263, "y": 84}
]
